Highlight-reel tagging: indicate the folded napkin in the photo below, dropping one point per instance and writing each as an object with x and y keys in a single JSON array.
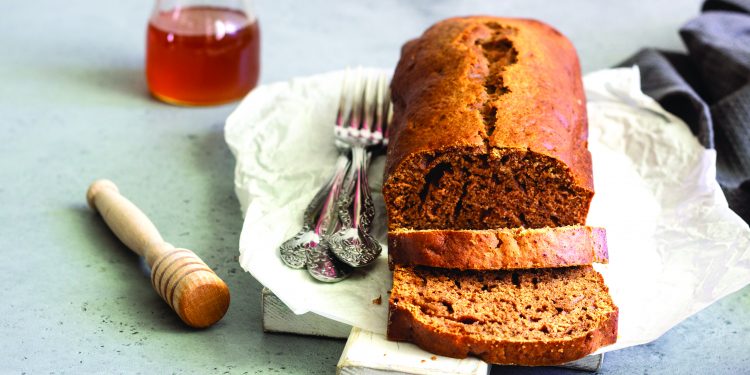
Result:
[{"x": 709, "y": 88}]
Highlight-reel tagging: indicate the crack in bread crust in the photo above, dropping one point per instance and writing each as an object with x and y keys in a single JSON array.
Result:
[{"x": 498, "y": 53}]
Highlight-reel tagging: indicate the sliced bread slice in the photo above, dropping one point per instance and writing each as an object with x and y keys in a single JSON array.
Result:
[
  {"x": 524, "y": 317},
  {"x": 509, "y": 248}
]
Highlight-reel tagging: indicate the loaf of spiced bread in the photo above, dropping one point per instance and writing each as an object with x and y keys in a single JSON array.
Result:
[
  {"x": 489, "y": 129},
  {"x": 505, "y": 248},
  {"x": 524, "y": 317},
  {"x": 490, "y": 133}
]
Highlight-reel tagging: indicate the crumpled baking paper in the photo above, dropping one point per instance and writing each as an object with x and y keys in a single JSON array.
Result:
[{"x": 674, "y": 245}]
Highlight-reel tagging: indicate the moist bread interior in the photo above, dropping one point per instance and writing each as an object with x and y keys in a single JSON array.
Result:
[
  {"x": 508, "y": 188},
  {"x": 526, "y": 305}
]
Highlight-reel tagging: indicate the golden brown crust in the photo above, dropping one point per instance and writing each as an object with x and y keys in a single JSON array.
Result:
[
  {"x": 437, "y": 88},
  {"x": 408, "y": 321},
  {"x": 450, "y": 98},
  {"x": 515, "y": 248}
]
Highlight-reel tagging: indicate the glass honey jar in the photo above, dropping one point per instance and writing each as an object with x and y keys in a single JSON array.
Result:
[{"x": 202, "y": 52}]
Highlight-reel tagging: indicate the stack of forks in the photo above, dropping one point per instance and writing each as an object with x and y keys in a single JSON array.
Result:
[{"x": 335, "y": 237}]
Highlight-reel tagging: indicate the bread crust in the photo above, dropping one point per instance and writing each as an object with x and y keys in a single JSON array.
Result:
[
  {"x": 438, "y": 84},
  {"x": 508, "y": 248}
]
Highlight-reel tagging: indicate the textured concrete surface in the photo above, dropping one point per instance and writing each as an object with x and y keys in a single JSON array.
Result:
[{"x": 74, "y": 107}]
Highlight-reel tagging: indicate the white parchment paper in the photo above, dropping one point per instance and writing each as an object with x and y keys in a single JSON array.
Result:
[{"x": 675, "y": 247}]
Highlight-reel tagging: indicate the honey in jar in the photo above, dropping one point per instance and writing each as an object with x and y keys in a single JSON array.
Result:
[{"x": 202, "y": 55}]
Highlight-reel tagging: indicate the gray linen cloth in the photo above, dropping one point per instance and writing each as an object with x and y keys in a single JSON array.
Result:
[{"x": 709, "y": 88}]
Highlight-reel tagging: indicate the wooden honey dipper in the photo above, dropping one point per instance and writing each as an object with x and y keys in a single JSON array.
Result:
[{"x": 183, "y": 280}]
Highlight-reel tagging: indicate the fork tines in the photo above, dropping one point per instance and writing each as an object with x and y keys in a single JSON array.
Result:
[{"x": 364, "y": 108}]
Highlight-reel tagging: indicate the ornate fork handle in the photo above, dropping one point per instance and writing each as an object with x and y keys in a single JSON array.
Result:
[
  {"x": 364, "y": 209},
  {"x": 313, "y": 210},
  {"x": 320, "y": 262},
  {"x": 293, "y": 251},
  {"x": 346, "y": 197},
  {"x": 327, "y": 220},
  {"x": 352, "y": 243},
  {"x": 356, "y": 193}
]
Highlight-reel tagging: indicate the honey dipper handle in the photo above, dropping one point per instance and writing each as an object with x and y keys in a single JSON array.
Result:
[
  {"x": 128, "y": 222},
  {"x": 183, "y": 280}
]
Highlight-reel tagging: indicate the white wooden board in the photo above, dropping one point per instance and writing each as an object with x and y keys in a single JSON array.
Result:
[
  {"x": 371, "y": 354},
  {"x": 277, "y": 317},
  {"x": 368, "y": 353}
]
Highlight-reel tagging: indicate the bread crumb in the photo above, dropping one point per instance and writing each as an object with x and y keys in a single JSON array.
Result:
[
  {"x": 377, "y": 301},
  {"x": 423, "y": 361},
  {"x": 433, "y": 358}
]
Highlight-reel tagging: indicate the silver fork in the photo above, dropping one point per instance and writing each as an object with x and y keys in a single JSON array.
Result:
[
  {"x": 363, "y": 127},
  {"x": 314, "y": 220},
  {"x": 310, "y": 247},
  {"x": 320, "y": 264}
]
